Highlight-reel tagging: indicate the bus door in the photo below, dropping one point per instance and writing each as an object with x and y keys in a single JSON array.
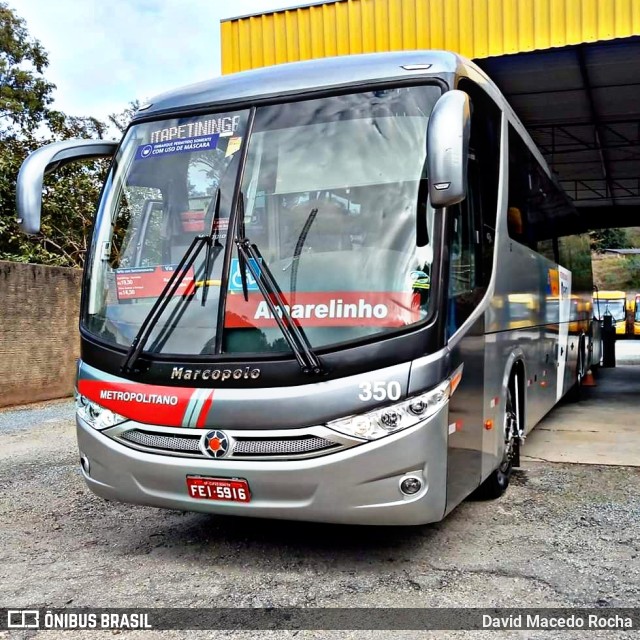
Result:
[{"x": 471, "y": 240}]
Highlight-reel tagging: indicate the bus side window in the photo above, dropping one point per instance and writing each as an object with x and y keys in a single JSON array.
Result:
[
  {"x": 534, "y": 208},
  {"x": 462, "y": 258},
  {"x": 520, "y": 189},
  {"x": 473, "y": 222},
  {"x": 463, "y": 263},
  {"x": 484, "y": 171}
]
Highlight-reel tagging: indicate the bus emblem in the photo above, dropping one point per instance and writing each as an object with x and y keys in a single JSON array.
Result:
[{"x": 215, "y": 444}]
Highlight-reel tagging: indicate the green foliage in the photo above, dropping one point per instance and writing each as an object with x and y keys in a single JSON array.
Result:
[
  {"x": 633, "y": 270},
  {"x": 602, "y": 239},
  {"x": 69, "y": 199},
  {"x": 617, "y": 272},
  {"x": 633, "y": 233},
  {"x": 24, "y": 93},
  {"x": 121, "y": 120},
  {"x": 26, "y": 123},
  {"x": 575, "y": 255}
]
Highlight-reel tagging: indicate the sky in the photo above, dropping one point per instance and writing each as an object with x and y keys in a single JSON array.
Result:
[{"x": 105, "y": 53}]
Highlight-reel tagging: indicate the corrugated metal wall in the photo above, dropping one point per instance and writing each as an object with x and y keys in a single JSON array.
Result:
[{"x": 475, "y": 28}]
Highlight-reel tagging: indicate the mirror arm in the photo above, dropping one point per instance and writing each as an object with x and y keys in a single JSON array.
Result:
[{"x": 42, "y": 162}]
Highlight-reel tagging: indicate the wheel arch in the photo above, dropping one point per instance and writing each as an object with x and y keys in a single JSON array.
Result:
[
  {"x": 516, "y": 369},
  {"x": 516, "y": 365}
]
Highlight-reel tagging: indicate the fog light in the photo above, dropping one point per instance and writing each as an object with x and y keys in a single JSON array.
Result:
[
  {"x": 409, "y": 486},
  {"x": 84, "y": 463}
]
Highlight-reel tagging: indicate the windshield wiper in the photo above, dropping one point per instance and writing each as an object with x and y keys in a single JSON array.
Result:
[
  {"x": 213, "y": 248},
  {"x": 302, "y": 238},
  {"x": 186, "y": 262},
  {"x": 250, "y": 258}
]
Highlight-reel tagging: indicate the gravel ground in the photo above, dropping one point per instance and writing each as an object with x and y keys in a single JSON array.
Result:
[{"x": 563, "y": 535}]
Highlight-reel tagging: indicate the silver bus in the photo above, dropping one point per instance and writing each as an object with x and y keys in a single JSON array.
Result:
[{"x": 340, "y": 290}]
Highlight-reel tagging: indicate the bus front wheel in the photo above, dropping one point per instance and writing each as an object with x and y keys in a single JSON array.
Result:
[{"x": 496, "y": 484}]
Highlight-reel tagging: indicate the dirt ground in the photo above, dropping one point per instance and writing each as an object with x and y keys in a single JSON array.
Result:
[{"x": 563, "y": 535}]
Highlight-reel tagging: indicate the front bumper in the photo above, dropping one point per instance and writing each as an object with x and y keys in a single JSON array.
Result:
[{"x": 359, "y": 485}]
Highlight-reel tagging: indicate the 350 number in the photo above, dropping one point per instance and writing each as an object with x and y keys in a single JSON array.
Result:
[{"x": 380, "y": 390}]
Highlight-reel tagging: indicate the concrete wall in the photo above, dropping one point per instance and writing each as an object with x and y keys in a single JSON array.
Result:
[{"x": 39, "y": 340}]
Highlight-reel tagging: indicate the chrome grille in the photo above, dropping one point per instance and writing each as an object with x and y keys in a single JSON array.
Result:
[
  {"x": 165, "y": 442},
  {"x": 280, "y": 446},
  {"x": 188, "y": 444}
]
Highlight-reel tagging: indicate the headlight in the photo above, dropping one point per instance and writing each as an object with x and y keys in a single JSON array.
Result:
[
  {"x": 382, "y": 422},
  {"x": 95, "y": 415}
]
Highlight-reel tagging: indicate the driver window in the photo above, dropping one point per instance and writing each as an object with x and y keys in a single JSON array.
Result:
[
  {"x": 464, "y": 253},
  {"x": 140, "y": 211},
  {"x": 152, "y": 235},
  {"x": 472, "y": 223}
]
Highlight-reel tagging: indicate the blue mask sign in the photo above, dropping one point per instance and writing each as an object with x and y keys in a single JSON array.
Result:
[{"x": 183, "y": 145}]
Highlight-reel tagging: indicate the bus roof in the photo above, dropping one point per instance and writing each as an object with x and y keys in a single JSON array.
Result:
[
  {"x": 300, "y": 77},
  {"x": 325, "y": 74},
  {"x": 609, "y": 295}
]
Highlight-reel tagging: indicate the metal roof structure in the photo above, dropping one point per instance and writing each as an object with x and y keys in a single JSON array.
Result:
[{"x": 581, "y": 105}]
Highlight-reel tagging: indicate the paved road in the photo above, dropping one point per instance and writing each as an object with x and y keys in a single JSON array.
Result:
[
  {"x": 628, "y": 351},
  {"x": 603, "y": 428},
  {"x": 564, "y": 535}
]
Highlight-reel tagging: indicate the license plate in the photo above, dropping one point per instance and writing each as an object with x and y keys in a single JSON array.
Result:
[{"x": 223, "y": 489}]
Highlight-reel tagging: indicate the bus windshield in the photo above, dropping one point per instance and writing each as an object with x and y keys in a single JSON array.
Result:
[
  {"x": 614, "y": 307},
  {"x": 335, "y": 200}
]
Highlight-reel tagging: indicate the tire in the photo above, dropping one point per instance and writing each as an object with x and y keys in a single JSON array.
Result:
[{"x": 496, "y": 484}]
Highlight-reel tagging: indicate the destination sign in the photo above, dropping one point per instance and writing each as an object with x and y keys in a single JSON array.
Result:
[{"x": 223, "y": 126}]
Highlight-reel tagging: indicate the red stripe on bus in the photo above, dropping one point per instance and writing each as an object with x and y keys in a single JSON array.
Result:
[
  {"x": 205, "y": 410},
  {"x": 145, "y": 403}
]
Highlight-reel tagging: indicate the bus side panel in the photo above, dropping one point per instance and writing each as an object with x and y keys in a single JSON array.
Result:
[
  {"x": 500, "y": 358},
  {"x": 523, "y": 319},
  {"x": 464, "y": 463}
]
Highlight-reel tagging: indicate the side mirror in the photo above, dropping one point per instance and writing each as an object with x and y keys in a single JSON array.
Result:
[
  {"x": 448, "y": 149},
  {"x": 44, "y": 161}
]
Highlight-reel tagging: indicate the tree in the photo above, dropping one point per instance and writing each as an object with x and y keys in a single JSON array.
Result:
[
  {"x": 121, "y": 120},
  {"x": 24, "y": 93},
  {"x": 27, "y": 122},
  {"x": 603, "y": 239}
]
